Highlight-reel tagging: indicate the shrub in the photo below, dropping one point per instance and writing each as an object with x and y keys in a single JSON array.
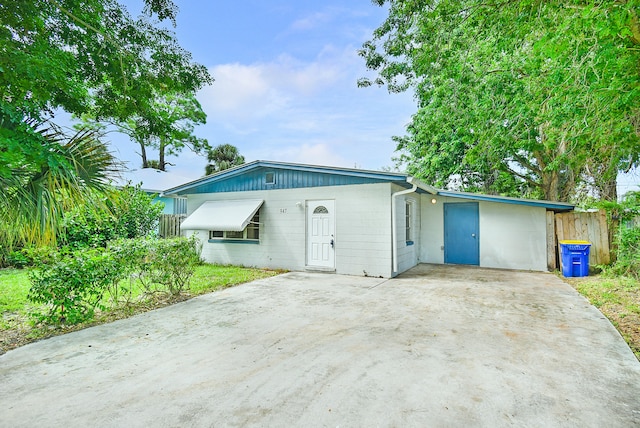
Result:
[
  {"x": 627, "y": 213},
  {"x": 136, "y": 212},
  {"x": 159, "y": 265},
  {"x": 30, "y": 256},
  {"x": 128, "y": 213},
  {"x": 173, "y": 262},
  {"x": 628, "y": 261},
  {"x": 132, "y": 257},
  {"x": 89, "y": 227},
  {"x": 16, "y": 259},
  {"x": 72, "y": 286}
]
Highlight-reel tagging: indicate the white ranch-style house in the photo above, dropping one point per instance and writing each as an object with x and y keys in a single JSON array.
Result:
[{"x": 357, "y": 222}]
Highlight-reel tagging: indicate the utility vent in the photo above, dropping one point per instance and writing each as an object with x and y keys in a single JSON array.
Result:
[{"x": 270, "y": 178}]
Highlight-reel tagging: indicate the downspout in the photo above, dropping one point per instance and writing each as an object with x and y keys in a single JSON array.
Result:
[{"x": 394, "y": 226}]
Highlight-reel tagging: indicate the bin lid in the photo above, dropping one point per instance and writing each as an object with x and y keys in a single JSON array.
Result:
[{"x": 574, "y": 242}]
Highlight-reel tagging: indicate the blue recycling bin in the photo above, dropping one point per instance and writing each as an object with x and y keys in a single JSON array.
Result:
[{"x": 575, "y": 258}]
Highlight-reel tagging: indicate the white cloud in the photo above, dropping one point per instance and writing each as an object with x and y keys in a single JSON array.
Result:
[
  {"x": 262, "y": 89},
  {"x": 311, "y": 111},
  {"x": 314, "y": 153},
  {"x": 311, "y": 21},
  {"x": 241, "y": 91}
]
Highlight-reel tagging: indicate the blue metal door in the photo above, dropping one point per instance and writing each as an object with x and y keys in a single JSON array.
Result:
[{"x": 461, "y": 237}]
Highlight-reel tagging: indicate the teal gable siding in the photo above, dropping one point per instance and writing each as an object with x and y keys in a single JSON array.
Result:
[
  {"x": 284, "y": 179},
  {"x": 290, "y": 178}
]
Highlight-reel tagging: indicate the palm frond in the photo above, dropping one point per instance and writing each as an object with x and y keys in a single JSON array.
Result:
[{"x": 66, "y": 172}]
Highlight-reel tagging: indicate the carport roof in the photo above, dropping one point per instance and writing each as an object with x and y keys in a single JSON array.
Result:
[{"x": 549, "y": 205}]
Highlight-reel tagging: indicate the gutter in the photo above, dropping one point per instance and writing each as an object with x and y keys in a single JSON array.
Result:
[{"x": 394, "y": 231}]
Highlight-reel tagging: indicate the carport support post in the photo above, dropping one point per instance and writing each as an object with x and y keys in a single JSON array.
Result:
[{"x": 394, "y": 226}]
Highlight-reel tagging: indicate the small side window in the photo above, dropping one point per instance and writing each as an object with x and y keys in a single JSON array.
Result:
[
  {"x": 408, "y": 216},
  {"x": 270, "y": 178}
]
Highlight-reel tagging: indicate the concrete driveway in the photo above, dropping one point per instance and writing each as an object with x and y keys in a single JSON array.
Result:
[{"x": 439, "y": 346}]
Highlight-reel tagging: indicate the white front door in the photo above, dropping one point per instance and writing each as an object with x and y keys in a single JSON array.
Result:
[{"x": 321, "y": 234}]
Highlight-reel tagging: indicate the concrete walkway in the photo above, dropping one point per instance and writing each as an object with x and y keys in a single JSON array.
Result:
[{"x": 439, "y": 346}]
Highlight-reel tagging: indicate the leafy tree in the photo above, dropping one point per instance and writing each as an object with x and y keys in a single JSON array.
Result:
[
  {"x": 79, "y": 56},
  {"x": 179, "y": 114},
  {"x": 169, "y": 128},
  {"x": 517, "y": 97},
  {"x": 223, "y": 157},
  {"x": 128, "y": 213}
]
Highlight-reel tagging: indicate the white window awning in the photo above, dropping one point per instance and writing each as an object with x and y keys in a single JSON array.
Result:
[{"x": 222, "y": 215}]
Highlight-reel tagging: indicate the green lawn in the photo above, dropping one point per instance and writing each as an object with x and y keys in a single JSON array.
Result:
[
  {"x": 17, "y": 327},
  {"x": 14, "y": 286}
]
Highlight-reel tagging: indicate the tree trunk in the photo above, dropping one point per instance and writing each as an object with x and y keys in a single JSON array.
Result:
[
  {"x": 608, "y": 190},
  {"x": 559, "y": 181},
  {"x": 550, "y": 185},
  {"x": 143, "y": 155},
  {"x": 161, "y": 161}
]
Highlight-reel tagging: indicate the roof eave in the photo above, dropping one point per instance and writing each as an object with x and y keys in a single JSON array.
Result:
[
  {"x": 549, "y": 205},
  {"x": 379, "y": 175}
]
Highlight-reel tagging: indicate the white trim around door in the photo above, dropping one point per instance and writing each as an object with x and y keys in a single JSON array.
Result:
[{"x": 321, "y": 241}]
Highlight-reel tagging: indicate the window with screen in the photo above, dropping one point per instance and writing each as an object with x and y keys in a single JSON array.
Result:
[{"x": 250, "y": 233}]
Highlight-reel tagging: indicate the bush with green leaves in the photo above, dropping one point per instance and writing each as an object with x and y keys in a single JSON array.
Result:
[
  {"x": 16, "y": 259},
  {"x": 138, "y": 215},
  {"x": 73, "y": 283},
  {"x": 158, "y": 265},
  {"x": 173, "y": 262},
  {"x": 72, "y": 286},
  {"x": 628, "y": 259},
  {"x": 128, "y": 213},
  {"x": 627, "y": 240},
  {"x": 131, "y": 255}
]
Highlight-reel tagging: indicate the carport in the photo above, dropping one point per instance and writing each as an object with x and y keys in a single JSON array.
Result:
[{"x": 437, "y": 346}]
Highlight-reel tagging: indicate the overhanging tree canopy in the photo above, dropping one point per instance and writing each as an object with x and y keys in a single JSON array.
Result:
[
  {"x": 517, "y": 97},
  {"x": 85, "y": 56}
]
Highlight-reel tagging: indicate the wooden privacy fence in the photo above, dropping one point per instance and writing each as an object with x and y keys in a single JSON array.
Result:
[
  {"x": 588, "y": 226},
  {"x": 170, "y": 225}
]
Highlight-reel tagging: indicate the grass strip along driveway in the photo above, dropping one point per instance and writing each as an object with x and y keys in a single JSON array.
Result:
[{"x": 17, "y": 327}]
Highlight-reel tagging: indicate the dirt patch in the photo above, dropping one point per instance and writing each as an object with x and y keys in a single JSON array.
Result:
[{"x": 20, "y": 331}]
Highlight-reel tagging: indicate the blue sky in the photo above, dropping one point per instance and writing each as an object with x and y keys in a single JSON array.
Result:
[{"x": 286, "y": 83}]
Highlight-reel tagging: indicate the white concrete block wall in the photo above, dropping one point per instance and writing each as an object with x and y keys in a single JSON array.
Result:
[
  {"x": 363, "y": 238},
  {"x": 511, "y": 236},
  {"x": 408, "y": 255},
  {"x": 282, "y": 232},
  {"x": 431, "y": 248}
]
